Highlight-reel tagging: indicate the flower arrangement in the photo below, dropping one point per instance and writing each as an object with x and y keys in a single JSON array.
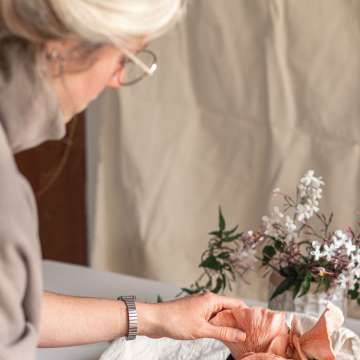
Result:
[{"x": 295, "y": 241}]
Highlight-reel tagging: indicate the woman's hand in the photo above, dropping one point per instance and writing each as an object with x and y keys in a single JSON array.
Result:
[{"x": 188, "y": 318}]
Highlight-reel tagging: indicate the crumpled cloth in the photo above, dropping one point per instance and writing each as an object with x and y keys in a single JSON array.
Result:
[{"x": 346, "y": 345}]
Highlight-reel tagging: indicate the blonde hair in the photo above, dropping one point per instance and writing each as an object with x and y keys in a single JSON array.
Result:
[{"x": 95, "y": 22}]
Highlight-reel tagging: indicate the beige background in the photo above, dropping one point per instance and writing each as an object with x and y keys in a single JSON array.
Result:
[{"x": 249, "y": 95}]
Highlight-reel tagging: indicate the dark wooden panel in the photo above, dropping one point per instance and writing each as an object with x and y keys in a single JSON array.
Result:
[{"x": 56, "y": 171}]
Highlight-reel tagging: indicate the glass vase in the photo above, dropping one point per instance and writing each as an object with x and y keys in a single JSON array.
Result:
[{"x": 313, "y": 303}]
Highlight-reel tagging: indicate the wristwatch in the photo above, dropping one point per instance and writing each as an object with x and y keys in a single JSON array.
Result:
[{"x": 132, "y": 316}]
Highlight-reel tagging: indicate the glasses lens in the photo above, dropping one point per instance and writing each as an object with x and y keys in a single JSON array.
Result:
[{"x": 133, "y": 72}]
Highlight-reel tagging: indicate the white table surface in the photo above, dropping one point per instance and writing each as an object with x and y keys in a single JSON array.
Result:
[{"x": 83, "y": 281}]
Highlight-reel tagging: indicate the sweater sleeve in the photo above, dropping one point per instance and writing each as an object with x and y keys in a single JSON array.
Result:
[{"x": 18, "y": 336}]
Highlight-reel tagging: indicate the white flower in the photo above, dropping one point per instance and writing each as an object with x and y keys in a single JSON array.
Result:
[
  {"x": 316, "y": 253},
  {"x": 356, "y": 272},
  {"x": 350, "y": 247},
  {"x": 329, "y": 251},
  {"x": 339, "y": 238},
  {"x": 289, "y": 224},
  {"x": 303, "y": 212},
  {"x": 269, "y": 223},
  {"x": 355, "y": 257},
  {"x": 352, "y": 281},
  {"x": 310, "y": 192},
  {"x": 276, "y": 191},
  {"x": 291, "y": 237},
  {"x": 342, "y": 281},
  {"x": 278, "y": 213}
]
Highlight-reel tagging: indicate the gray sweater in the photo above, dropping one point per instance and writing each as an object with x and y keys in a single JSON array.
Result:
[{"x": 28, "y": 116}]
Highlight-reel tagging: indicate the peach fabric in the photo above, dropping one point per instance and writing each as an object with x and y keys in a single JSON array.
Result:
[{"x": 268, "y": 337}]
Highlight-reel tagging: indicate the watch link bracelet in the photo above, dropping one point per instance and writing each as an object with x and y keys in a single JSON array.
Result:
[{"x": 132, "y": 316}]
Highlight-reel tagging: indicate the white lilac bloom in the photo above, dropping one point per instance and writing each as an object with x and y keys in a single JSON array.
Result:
[
  {"x": 329, "y": 251},
  {"x": 291, "y": 238},
  {"x": 310, "y": 193},
  {"x": 342, "y": 281},
  {"x": 356, "y": 272},
  {"x": 303, "y": 212},
  {"x": 290, "y": 225},
  {"x": 350, "y": 248},
  {"x": 310, "y": 184},
  {"x": 352, "y": 281},
  {"x": 316, "y": 253},
  {"x": 278, "y": 213},
  {"x": 269, "y": 223},
  {"x": 276, "y": 191},
  {"x": 339, "y": 238},
  {"x": 355, "y": 257}
]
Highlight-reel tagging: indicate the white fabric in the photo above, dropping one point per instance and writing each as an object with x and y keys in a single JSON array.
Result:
[
  {"x": 144, "y": 348},
  {"x": 249, "y": 95},
  {"x": 346, "y": 346}
]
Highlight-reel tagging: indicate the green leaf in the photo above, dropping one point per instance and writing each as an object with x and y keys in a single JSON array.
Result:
[
  {"x": 232, "y": 238},
  {"x": 305, "y": 286},
  {"x": 353, "y": 294},
  {"x": 216, "y": 233},
  {"x": 358, "y": 301},
  {"x": 189, "y": 291},
  {"x": 288, "y": 271},
  {"x": 229, "y": 232},
  {"x": 222, "y": 223},
  {"x": 223, "y": 277},
  {"x": 297, "y": 287},
  {"x": 218, "y": 286},
  {"x": 279, "y": 245},
  {"x": 224, "y": 255},
  {"x": 284, "y": 286},
  {"x": 209, "y": 284},
  {"x": 269, "y": 251},
  {"x": 211, "y": 263}
]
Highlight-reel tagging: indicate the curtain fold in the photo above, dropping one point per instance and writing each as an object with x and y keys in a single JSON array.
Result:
[{"x": 248, "y": 96}]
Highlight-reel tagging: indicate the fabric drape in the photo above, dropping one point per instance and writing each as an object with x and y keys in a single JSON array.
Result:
[{"x": 248, "y": 96}]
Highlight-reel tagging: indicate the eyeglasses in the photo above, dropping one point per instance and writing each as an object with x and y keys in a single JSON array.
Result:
[{"x": 137, "y": 67}]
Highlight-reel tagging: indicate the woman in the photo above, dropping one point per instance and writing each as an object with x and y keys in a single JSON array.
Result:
[{"x": 55, "y": 57}]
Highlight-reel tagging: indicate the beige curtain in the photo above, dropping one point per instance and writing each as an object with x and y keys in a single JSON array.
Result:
[{"x": 249, "y": 95}]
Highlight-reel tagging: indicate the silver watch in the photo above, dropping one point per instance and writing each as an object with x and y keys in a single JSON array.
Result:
[{"x": 132, "y": 316}]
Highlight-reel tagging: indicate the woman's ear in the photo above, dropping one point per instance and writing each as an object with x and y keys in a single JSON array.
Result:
[
  {"x": 116, "y": 79},
  {"x": 55, "y": 59}
]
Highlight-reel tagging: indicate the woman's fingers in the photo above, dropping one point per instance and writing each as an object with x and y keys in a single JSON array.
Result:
[
  {"x": 223, "y": 333},
  {"x": 230, "y": 303}
]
